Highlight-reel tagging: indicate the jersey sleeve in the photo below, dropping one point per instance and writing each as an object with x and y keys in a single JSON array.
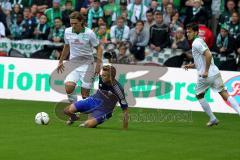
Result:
[
  {"x": 121, "y": 96},
  {"x": 93, "y": 39},
  {"x": 201, "y": 46}
]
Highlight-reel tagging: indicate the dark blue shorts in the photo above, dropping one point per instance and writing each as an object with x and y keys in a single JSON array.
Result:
[{"x": 93, "y": 106}]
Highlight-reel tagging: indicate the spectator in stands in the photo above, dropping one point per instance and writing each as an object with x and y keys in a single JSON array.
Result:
[
  {"x": 168, "y": 14},
  {"x": 42, "y": 5},
  {"x": 238, "y": 45},
  {"x": 126, "y": 20},
  {"x": 163, "y": 6},
  {"x": 205, "y": 33},
  {"x": 57, "y": 33},
  {"x": 16, "y": 28},
  {"x": 100, "y": 22},
  {"x": 234, "y": 25},
  {"x": 159, "y": 34},
  {"x": 175, "y": 24},
  {"x": 194, "y": 13},
  {"x": 34, "y": 10},
  {"x": 150, "y": 20},
  {"x": 137, "y": 11},
  {"x": 83, "y": 6},
  {"x": 2, "y": 30},
  {"x": 226, "y": 15},
  {"x": 120, "y": 32},
  {"x": 123, "y": 57},
  {"x": 14, "y": 13},
  {"x": 67, "y": 11},
  {"x": 53, "y": 12},
  {"x": 102, "y": 34},
  {"x": 28, "y": 24},
  {"x": 139, "y": 38},
  {"x": 111, "y": 12},
  {"x": 225, "y": 44},
  {"x": 154, "y": 6},
  {"x": 42, "y": 30},
  {"x": 217, "y": 7},
  {"x": 179, "y": 41},
  {"x": 94, "y": 14},
  {"x": 6, "y": 6}
]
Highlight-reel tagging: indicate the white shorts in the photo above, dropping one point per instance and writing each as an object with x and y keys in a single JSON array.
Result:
[
  {"x": 85, "y": 76},
  {"x": 214, "y": 82}
]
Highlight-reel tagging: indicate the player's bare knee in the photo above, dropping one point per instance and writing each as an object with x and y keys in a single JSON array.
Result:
[
  {"x": 70, "y": 87},
  {"x": 90, "y": 124}
]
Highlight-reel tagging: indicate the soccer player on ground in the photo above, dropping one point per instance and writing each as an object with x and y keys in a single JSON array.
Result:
[
  {"x": 208, "y": 74},
  {"x": 79, "y": 41},
  {"x": 101, "y": 104}
]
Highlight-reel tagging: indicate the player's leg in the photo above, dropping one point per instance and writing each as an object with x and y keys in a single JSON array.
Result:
[
  {"x": 70, "y": 111},
  {"x": 83, "y": 106},
  {"x": 201, "y": 87},
  {"x": 231, "y": 101},
  {"x": 97, "y": 117},
  {"x": 70, "y": 85},
  {"x": 219, "y": 87}
]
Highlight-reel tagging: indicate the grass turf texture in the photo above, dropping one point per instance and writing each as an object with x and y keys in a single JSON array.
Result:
[{"x": 189, "y": 138}]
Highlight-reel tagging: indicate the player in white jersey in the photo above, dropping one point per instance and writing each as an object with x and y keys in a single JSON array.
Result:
[
  {"x": 79, "y": 42},
  {"x": 208, "y": 74}
]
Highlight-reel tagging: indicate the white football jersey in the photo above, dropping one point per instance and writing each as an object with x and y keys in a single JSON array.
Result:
[
  {"x": 198, "y": 49},
  {"x": 81, "y": 45}
]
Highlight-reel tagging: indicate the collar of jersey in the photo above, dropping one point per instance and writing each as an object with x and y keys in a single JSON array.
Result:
[{"x": 82, "y": 31}]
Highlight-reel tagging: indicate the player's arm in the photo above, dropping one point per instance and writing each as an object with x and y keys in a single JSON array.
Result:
[
  {"x": 63, "y": 56},
  {"x": 99, "y": 58},
  {"x": 208, "y": 58},
  {"x": 125, "y": 118}
]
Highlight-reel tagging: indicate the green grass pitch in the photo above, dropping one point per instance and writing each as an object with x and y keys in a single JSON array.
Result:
[{"x": 151, "y": 136}]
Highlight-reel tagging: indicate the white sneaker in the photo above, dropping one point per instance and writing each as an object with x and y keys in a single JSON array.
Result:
[{"x": 213, "y": 122}]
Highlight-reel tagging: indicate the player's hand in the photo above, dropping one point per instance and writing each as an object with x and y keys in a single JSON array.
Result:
[
  {"x": 60, "y": 67},
  {"x": 97, "y": 69},
  {"x": 186, "y": 67},
  {"x": 204, "y": 75}
]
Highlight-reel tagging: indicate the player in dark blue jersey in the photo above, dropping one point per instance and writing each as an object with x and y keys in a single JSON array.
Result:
[{"x": 101, "y": 104}]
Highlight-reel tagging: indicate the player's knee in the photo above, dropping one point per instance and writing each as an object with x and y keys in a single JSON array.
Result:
[
  {"x": 70, "y": 87},
  {"x": 91, "y": 124}
]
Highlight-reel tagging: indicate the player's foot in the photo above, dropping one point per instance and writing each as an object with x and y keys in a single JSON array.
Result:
[
  {"x": 213, "y": 122},
  {"x": 82, "y": 125},
  {"x": 69, "y": 122}
]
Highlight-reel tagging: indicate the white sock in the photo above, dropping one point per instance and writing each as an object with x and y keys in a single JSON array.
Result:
[
  {"x": 207, "y": 109},
  {"x": 72, "y": 97},
  {"x": 234, "y": 104}
]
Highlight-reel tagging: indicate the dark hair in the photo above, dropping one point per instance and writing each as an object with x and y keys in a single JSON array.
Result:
[
  {"x": 57, "y": 18},
  {"x": 193, "y": 26},
  {"x": 140, "y": 21},
  {"x": 68, "y": 1},
  {"x": 150, "y": 11},
  {"x": 157, "y": 12},
  {"x": 77, "y": 15},
  {"x": 120, "y": 18},
  {"x": 111, "y": 70}
]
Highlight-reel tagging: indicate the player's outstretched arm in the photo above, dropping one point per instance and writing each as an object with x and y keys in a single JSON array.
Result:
[
  {"x": 125, "y": 118},
  {"x": 63, "y": 56}
]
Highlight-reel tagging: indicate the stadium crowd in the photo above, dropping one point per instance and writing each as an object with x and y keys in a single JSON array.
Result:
[{"x": 139, "y": 27}]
